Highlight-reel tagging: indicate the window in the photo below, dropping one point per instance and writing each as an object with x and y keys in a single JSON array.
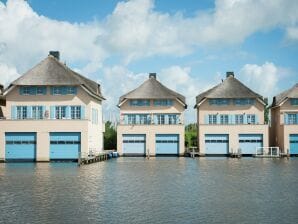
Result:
[
  {"x": 37, "y": 112},
  {"x": 41, "y": 90},
  {"x": 139, "y": 103},
  {"x": 132, "y": 119},
  {"x": 251, "y": 119},
  {"x": 173, "y": 119},
  {"x": 243, "y": 102},
  {"x": 294, "y": 101},
  {"x": 144, "y": 119},
  {"x": 212, "y": 118},
  {"x": 21, "y": 112},
  {"x": 63, "y": 90},
  {"x": 75, "y": 112},
  {"x": 219, "y": 102},
  {"x": 60, "y": 112},
  {"x": 224, "y": 119},
  {"x": 57, "y": 90},
  {"x": 70, "y": 90},
  {"x": 292, "y": 119},
  {"x": 239, "y": 119},
  {"x": 33, "y": 90},
  {"x": 163, "y": 102},
  {"x": 160, "y": 119},
  {"x": 26, "y": 90}
]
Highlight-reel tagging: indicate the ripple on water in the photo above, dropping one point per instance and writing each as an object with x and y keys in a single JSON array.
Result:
[{"x": 159, "y": 190}]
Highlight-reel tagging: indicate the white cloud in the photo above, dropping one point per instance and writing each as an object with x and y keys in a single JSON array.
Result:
[
  {"x": 292, "y": 33},
  {"x": 26, "y": 37},
  {"x": 7, "y": 74},
  {"x": 264, "y": 78},
  {"x": 135, "y": 30},
  {"x": 181, "y": 80}
]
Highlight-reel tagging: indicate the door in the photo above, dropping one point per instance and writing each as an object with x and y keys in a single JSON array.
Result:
[
  {"x": 65, "y": 145},
  {"x": 216, "y": 144},
  {"x": 20, "y": 146},
  {"x": 167, "y": 144},
  {"x": 294, "y": 144},
  {"x": 248, "y": 143},
  {"x": 134, "y": 144}
]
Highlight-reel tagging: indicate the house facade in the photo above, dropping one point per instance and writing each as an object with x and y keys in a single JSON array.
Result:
[
  {"x": 230, "y": 119},
  {"x": 151, "y": 121},
  {"x": 284, "y": 121},
  {"x": 51, "y": 113}
]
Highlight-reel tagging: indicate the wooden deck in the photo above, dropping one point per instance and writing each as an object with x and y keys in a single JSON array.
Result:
[{"x": 94, "y": 158}]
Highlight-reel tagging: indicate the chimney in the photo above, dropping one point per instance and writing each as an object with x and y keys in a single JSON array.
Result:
[
  {"x": 230, "y": 74},
  {"x": 152, "y": 75},
  {"x": 266, "y": 100},
  {"x": 55, "y": 54}
]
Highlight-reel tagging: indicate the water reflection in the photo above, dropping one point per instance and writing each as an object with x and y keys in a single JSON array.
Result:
[{"x": 159, "y": 190}]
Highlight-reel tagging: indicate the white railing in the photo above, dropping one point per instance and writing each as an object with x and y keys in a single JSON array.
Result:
[{"x": 268, "y": 151}]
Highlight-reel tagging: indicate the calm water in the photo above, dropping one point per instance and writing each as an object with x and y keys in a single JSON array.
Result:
[{"x": 161, "y": 190}]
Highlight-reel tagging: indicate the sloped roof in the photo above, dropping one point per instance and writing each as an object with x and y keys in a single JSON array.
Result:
[
  {"x": 152, "y": 89},
  {"x": 289, "y": 93},
  {"x": 51, "y": 71},
  {"x": 230, "y": 88}
]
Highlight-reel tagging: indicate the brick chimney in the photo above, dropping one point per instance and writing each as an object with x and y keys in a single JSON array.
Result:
[
  {"x": 228, "y": 74},
  {"x": 152, "y": 75},
  {"x": 55, "y": 54}
]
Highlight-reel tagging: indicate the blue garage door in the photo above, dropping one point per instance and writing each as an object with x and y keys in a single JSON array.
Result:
[
  {"x": 167, "y": 144},
  {"x": 134, "y": 144},
  {"x": 20, "y": 146},
  {"x": 294, "y": 144},
  {"x": 216, "y": 144},
  {"x": 249, "y": 142},
  {"x": 65, "y": 145}
]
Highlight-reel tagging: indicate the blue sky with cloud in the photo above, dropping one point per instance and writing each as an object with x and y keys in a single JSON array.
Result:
[{"x": 189, "y": 44}]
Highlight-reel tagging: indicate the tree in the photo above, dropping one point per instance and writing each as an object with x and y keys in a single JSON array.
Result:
[
  {"x": 191, "y": 135},
  {"x": 110, "y": 136}
]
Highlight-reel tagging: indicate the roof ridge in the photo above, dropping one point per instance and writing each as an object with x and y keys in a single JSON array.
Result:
[
  {"x": 154, "y": 89},
  {"x": 224, "y": 90}
]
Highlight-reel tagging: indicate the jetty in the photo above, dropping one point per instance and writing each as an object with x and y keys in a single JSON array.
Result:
[
  {"x": 192, "y": 152},
  {"x": 269, "y": 152},
  {"x": 92, "y": 157}
]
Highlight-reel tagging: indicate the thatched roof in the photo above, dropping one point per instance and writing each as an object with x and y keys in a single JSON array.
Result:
[
  {"x": 51, "y": 72},
  {"x": 288, "y": 94},
  {"x": 152, "y": 89},
  {"x": 230, "y": 88}
]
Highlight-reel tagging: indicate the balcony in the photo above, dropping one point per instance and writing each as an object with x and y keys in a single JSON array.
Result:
[{"x": 151, "y": 119}]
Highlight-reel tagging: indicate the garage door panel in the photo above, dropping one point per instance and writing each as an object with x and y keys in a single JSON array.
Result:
[
  {"x": 20, "y": 146},
  {"x": 216, "y": 144},
  {"x": 167, "y": 144},
  {"x": 294, "y": 144},
  {"x": 134, "y": 144},
  {"x": 249, "y": 142},
  {"x": 65, "y": 145}
]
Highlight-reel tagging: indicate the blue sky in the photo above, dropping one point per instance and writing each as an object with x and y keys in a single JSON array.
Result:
[{"x": 189, "y": 44}]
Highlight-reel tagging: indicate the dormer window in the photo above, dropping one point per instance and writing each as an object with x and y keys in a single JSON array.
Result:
[
  {"x": 70, "y": 90},
  {"x": 242, "y": 102},
  {"x": 163, "y": 103},
  {"x": 33, "y": 90},
  {"x": 57, "y": 91},
  {"x": 219, "y": 102},
  {"x": 63, "y": 90},
  {"x": 26, "y": 90},
  {"x": 139, "y": 103},
  {"x": 294, "y": 101}
]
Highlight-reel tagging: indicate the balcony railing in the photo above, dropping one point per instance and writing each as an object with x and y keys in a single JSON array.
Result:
[{"x": 151, "y": 120}]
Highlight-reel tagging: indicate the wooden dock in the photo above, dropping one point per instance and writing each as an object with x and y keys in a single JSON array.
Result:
[{"x": 94, "y": 158}]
